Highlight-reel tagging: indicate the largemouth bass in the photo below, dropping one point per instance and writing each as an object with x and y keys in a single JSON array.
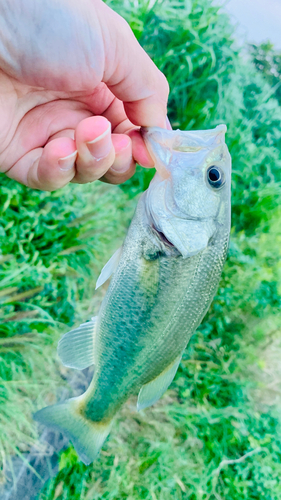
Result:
[{"x": 164, "y": 278}]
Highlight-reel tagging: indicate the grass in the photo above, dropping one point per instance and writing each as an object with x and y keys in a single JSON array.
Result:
[
  {"x": 49, "y": 265},
  {"x": 216, "y": 433},
  {"x": 218, "y": 410}
]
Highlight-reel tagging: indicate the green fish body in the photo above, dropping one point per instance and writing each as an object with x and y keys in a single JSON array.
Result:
[{"x": 164, "y": 279}]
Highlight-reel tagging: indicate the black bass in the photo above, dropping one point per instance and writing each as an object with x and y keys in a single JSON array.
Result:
[{"x": 164, "y": 278}]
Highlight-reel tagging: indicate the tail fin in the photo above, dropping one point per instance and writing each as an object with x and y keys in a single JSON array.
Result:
[{"x": 86, "y": 436}]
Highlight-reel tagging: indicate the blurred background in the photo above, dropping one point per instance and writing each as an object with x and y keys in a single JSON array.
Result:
[
  {"x": 216, "y": 432},
  {"x": 257, "y": 19}
]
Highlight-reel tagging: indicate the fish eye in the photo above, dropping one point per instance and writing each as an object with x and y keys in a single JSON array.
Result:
[{"x": 215, "y": 176}]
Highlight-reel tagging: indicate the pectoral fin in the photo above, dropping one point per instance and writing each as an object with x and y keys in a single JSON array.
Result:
[
  {"x": 109, "y": 268},
  {"x": 151, "y": 392},
  {"x": 76, "y": 348}
]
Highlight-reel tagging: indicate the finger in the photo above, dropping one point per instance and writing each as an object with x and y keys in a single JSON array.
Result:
[
  {"x": 102, "y": 102},
  {"x": 68, "y": 132},
  {"x": 95, "y": 149},
  {"x": 132, "y": 76},
  {"x": 115, "y": 113},
  {"x": 39, "y": 125},
  {"x": 140, "y": 152},
  {"x": 48, "y": 168},
  {"x": 124, "y": 165}
]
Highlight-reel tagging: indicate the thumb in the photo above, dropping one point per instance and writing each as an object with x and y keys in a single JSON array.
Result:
[{"x": 131, "y": 75}]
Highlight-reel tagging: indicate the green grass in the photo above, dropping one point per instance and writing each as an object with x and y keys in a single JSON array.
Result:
[
  {"x": 53, "y": 247},
  {"x": 216, "y": 433},
  {"x": 218, "y": 408}
]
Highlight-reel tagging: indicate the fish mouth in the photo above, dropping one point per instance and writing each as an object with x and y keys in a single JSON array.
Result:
[
  {"x": 205, "y": 134},
  {"x": 164, "y": 145},
  {"x": 143, "y": 131}
]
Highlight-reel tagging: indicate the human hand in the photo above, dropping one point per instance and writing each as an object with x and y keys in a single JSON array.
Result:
[{"x": 70, "y": 74}]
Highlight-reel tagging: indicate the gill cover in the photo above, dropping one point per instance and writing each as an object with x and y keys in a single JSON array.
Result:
[{"x": 182, "y": 202}]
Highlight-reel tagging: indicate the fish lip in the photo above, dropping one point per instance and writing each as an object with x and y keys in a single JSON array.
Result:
[
  {"x": 201, "y": 219},
  {"x": 143, "y": 131},
  {"x": 222, "y": 128},
  {"x": 219, "y": 130}
]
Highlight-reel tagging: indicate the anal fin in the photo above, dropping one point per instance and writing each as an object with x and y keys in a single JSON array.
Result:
[
  {"x": 151, "y": 392},
  {"x": 76, "y": 348}
]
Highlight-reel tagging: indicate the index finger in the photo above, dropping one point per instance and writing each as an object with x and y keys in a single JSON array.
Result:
[{"x": 132, "y": 76}]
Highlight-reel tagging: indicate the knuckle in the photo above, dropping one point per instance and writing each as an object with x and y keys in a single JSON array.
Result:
[{"x": 164, "y": 85}]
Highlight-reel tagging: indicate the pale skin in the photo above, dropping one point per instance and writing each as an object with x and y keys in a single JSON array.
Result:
[{"x": 75, "y": 86}]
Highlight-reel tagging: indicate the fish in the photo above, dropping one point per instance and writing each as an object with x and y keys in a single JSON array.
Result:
[{"x": 163, "y": 280}]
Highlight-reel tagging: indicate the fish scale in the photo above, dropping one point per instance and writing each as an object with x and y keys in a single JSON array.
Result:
[{"x": 164, "y": 279}]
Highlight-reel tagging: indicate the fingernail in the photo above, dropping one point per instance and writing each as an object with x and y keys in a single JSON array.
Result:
[
  {"x": 101, "y": 145},
  {"x": 67, "y": 162},
  {"x": 168, "y": 124}
]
